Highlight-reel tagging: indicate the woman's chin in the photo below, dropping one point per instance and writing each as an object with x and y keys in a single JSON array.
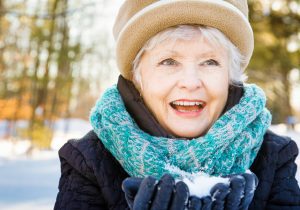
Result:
[{"x": 188, "y": 131}]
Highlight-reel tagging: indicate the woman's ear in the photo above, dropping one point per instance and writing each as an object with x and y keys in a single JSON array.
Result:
[{"x": 137, "y": 81}]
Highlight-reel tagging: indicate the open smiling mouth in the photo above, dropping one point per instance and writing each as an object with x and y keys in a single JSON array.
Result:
[{"x": 187, "y": 106}]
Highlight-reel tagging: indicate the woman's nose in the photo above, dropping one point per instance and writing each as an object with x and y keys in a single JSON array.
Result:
[{"x": 190, "y": 79}]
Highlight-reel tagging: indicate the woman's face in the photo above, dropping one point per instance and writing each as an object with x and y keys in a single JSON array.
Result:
[{"x": 185, "y": 83}]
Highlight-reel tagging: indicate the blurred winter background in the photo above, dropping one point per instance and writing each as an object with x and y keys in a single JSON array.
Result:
[{"x": 56, "y": 58}]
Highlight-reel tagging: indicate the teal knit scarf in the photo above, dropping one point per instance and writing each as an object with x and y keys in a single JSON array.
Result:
[{"x": 229, "y": 147}]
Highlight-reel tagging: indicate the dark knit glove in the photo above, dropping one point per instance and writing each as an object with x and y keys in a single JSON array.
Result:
[
  {"x": 196, "y": 203},
  {"x": 238, "y": 195},
  {"x": 235, "y": 196},
  {"x": 149, "y": 193}
]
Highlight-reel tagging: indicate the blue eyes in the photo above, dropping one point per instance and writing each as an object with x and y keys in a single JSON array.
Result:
[
  {"x": 210, "y": 62},
  {"x": 172, "y": 62},
  {"x": 168, "y": 62}
]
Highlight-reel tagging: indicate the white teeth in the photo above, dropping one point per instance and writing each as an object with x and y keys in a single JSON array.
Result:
[{"x": 187, "y": 103}]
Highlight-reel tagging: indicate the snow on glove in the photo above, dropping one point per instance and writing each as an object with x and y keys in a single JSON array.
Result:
[
  {"x": 218, "y": 193},
  {"x": 180, "y": 197},
  {"x": 237, "y": 196},
  {"x": 149, "y": 193},
  {"x": 237, "y": 187},
  {"x": 250, "y": 186},
  {"x": 216, "y": 199},
  {"x": 242, "y": 191}
]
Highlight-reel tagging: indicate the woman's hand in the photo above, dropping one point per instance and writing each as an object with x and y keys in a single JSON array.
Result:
[
  {"x": 204, "y": 203},
  {"x": 244, "y": 189},
  {"x": 149, "y": 193},
  {"x": 235, "y": 196},
  {"x": 238, "y": 195}
]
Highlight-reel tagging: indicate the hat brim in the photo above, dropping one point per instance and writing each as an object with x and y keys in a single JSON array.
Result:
[{"x": 164, "y": 14}]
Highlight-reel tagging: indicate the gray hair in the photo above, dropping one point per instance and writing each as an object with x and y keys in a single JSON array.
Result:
[{"x": 187, "y": 32}]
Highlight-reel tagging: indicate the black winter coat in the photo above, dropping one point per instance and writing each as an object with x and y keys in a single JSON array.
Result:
[{"x": 91, "y": 177}]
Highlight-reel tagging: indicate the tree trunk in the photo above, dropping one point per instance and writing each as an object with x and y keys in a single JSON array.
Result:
[
  {"x": 63, "y": 67},
  {"x": 34, "y": 91},
  {"x": 44, "y": 92},
  {"x": 287, "y": 99}
]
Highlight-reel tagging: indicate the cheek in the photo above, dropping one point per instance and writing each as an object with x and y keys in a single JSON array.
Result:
[
  {"x": 154, "y": 95},
  {"x": 154, "y": 86},
  {"x": 217, "y": 92},
  {"x": 218, "y": 100}
]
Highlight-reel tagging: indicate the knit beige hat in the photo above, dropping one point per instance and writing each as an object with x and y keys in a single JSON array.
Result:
[{"x": 139, "y": 20}]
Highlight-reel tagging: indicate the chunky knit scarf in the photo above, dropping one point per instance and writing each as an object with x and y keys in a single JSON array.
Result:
[{"x": 229, "y": 147}]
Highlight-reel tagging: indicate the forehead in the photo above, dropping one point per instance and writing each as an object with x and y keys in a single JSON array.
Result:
[
  {"x": 194, "y": 45},
  {"x": 183, "y": 35}
]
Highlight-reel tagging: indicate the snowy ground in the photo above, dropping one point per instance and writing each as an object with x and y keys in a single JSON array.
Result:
[{"x": 30, "y": 183}]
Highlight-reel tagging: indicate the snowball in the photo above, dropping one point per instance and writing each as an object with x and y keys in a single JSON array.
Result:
[{"x": 201, "y": 185}]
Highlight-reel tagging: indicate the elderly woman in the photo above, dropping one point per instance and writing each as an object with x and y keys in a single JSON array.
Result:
[{"x": 180, "y": 116}]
